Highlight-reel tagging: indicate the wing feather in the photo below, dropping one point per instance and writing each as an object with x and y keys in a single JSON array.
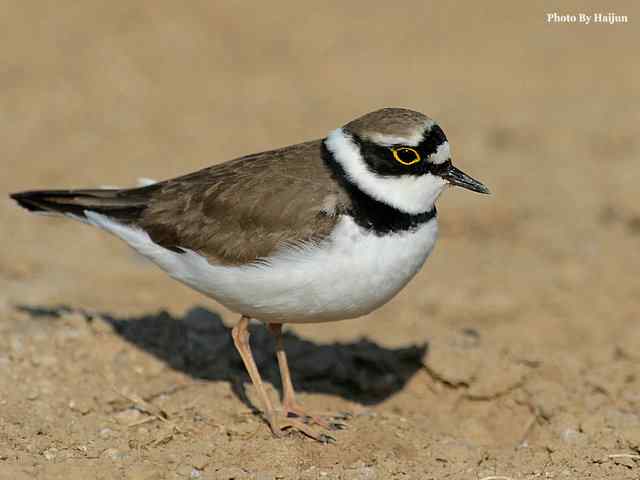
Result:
[{"x": 243, "y": 210}]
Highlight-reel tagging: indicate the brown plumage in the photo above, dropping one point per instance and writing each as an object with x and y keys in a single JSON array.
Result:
[
  {"x": 232, "y": 213},
  {"x": 243, "y": 210},
  {"x": 238, "y": 211}
]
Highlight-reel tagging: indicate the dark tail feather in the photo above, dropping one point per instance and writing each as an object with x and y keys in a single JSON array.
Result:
[{"x": 124, "y": 205}]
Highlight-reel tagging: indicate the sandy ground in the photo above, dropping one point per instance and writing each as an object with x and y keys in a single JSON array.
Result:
[{"x": 513, "y": 354}]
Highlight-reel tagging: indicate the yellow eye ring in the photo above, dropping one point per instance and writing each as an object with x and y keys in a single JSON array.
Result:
[{"x": 404, "y": 150}]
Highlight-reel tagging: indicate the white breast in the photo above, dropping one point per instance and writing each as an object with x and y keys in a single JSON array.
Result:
[{"x": 349, "y": 274}]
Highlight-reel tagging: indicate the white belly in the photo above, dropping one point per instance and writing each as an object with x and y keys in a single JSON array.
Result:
[{"x": 348, "y": 275}]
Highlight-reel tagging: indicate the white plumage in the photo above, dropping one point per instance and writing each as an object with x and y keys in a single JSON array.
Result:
[{"x": 349, "y": 274}]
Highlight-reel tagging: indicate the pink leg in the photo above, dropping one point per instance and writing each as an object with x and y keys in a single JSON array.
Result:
[
  {"x": 289, "y": 403},
  {"x": 278, "y": 423}
]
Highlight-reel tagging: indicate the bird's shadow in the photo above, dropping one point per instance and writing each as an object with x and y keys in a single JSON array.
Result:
[{"x": 200, "y": 345}]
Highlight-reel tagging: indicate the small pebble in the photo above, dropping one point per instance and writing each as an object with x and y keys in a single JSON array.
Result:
[
  {"x": 50, "y": 453},
  {"x": 80, "y": 406},
  {"x": 569, "y": 435},
  {"x": 105, "y": 433},
  {"x": 114, "y": 454},
  {"x": 127, "y": 417}
]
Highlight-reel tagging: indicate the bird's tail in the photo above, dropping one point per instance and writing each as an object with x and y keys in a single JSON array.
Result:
[{"x": 122, "y": 204}]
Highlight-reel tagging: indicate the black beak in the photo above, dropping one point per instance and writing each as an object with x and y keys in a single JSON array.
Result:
[{"x": 461, "y": 179}]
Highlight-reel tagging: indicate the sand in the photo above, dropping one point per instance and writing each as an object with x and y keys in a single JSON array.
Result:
[{"x": 513, "y": 354}]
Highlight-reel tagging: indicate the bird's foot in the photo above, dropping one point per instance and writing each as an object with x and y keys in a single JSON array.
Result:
[
  {"x": 334, "y": 422},
  {"x": 281, "y": 424}
]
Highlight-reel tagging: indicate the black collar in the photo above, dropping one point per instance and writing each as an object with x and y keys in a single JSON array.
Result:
[{"x": 370, "y": 213}]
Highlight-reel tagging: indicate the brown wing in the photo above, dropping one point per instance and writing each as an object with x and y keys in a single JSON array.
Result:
[{"x": 243, "y": 210}]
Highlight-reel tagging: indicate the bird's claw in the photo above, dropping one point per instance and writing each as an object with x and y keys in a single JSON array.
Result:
[
  {"x": 337, "y": 426},
  {"x": 327, "y": 439}
]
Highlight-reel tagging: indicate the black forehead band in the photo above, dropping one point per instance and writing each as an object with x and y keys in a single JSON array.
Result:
[{"x": 433, "y": 138}]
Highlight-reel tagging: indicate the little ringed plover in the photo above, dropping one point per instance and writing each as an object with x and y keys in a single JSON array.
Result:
[{"x": 325, "y": 230}]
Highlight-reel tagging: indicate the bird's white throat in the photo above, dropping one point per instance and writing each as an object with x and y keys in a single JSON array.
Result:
[{"x": 408, "y": 193}]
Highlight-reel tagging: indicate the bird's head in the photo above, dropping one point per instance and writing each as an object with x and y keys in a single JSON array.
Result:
[{"x": 399, "y": 157}]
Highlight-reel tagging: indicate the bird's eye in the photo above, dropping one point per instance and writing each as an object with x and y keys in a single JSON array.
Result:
[{"x": 405, "y": 155}]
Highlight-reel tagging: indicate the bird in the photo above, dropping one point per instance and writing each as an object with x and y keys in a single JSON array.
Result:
[{"x": 320, "y": 231}]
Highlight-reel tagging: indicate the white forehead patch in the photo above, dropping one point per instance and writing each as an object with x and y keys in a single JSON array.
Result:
[
  {"x": 412, "y": 140},
  {"x": 442, "y": 154},
  {"x": 411, "y": 194}
]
